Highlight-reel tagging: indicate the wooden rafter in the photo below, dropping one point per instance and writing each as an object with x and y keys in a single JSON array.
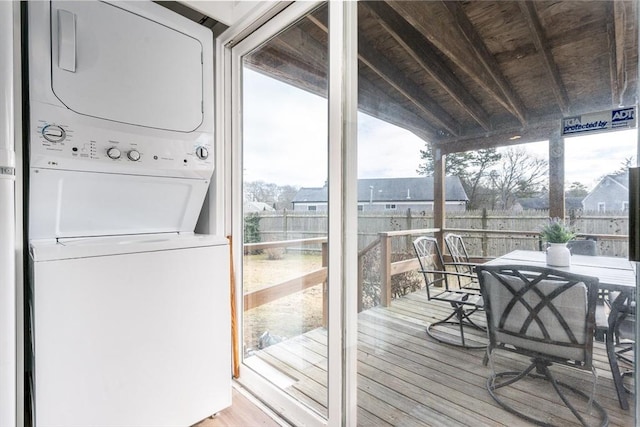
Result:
[
  {"x": 410, "y": 90},
  {"x": 615, "y": 32},
  {"x": 425, "y": 56},
  {"x": 540, "y": 41},
  {"x": 311, "y": 76},
  {"x": 537, "y": 130},
  {"x": 482, "y": 54},
  {"x": 407, "y": 88}
]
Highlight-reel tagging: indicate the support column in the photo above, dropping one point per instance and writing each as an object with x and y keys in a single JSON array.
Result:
[{"x": 556, "y": 176}]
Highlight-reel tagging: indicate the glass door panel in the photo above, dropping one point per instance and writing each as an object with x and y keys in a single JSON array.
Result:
[{"x": 285, "y": 205}]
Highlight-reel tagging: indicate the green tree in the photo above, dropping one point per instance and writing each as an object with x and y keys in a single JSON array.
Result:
[
  {"x": 577, "y": 189},
  {"x": 472, "y": 167}
]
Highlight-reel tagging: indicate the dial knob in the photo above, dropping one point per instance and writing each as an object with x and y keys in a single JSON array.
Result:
[
  {"x": 202, "y": 153},
  {"x": 113, "y": 153},
  {"x": 53, "y": 133},
  {"x": 133, "y": 155}
]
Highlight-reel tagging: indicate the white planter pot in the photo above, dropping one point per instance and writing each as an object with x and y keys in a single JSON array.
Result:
[{"x": 558, "y": 255}]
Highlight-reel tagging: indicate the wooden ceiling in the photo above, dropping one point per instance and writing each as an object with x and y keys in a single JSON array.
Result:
[{"x": 474, "y": 74}]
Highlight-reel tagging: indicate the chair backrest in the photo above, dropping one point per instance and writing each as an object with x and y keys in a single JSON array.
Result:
[
  {"x": 583, "y": 247},
  {"x": 540, "y": 312},
  {"x": 458, "y": 252},
  {"x": 431, "y": 261}
]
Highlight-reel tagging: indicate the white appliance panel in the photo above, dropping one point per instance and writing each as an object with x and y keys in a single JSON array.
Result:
[
  {"x": 138, "y": 339},
  {"x": 122, "y": 89},
  {"x": 73, "y": 204},
  {"x": 87, "y": 143},
  {"x": 138, "y": 71}
]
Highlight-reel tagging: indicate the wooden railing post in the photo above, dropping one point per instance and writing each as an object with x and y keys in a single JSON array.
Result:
[
  {"x": 325, "y": 296},
  {"x": 385, "y": 270}
]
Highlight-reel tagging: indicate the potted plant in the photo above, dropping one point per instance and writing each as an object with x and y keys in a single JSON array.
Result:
[{"x": 557, "y": 234}]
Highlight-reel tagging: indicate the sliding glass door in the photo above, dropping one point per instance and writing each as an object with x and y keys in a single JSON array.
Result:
[{"x": 288, "y": 207}]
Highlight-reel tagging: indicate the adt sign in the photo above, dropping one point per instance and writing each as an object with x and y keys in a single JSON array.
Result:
[
  {"x": 623, "y": 116},
  {"x": 601, "y": 121}
]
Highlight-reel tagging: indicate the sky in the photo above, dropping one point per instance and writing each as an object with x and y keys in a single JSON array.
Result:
[{"x": 285, "y": 141}]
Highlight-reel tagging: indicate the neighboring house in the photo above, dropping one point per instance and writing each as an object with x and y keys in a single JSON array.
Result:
[
  {"x": 389, "y": 194},
  {"x": 610, "y": 195},
  {"x": 542, "y": 203},
  {"x": 250, "y": 207}
]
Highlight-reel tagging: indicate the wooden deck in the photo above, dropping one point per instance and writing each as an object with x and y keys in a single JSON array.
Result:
[{"x": 408, "y": 379}]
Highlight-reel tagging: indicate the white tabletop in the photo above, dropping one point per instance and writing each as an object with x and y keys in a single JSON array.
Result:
[{"x": 613, "y": 273}]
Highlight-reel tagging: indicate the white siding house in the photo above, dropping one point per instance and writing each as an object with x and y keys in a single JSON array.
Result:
[{"x": 389, "y": 194}]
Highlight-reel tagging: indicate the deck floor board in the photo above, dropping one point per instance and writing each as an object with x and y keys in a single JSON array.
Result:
[{"x": 406, "y": 378}]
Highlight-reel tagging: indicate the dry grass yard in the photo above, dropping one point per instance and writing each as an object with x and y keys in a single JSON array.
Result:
[{"x": 286, "y": 317}]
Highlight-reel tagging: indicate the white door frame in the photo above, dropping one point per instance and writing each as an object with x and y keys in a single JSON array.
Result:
[{"x": 267, "y": 20}]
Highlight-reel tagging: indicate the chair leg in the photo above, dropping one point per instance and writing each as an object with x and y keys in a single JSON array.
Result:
[
  {"x": 462, "y": 320},
  {"x": 615, "y": 369},
  {"x": 493, "y": 384}
]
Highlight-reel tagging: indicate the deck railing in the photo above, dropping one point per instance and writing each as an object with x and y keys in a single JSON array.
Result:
[{"x": 388, "y": 269}]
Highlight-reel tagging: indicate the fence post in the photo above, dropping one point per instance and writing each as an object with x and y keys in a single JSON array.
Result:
[
  {"x": 385, "y": 270},
  {"x": 284, "y": 224},
  {"x": 484, "y": 235},
  {"x": 407, "y": 239}
]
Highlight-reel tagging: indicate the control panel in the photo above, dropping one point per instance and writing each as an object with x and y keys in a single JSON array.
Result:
[{"x": 56, "y": 145}]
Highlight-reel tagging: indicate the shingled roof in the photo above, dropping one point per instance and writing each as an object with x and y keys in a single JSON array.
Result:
[{"x": 418, "y": 189}]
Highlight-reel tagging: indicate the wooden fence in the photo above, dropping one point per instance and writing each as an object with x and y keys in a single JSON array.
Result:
[{"x": 610, "y": 230}]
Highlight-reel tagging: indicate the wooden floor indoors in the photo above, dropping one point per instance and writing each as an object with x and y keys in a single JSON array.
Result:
[
  {"x": 408, "y": 379},
  {"x": 244, "y": 411}
]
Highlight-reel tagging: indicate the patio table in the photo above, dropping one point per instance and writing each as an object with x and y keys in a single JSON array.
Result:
[{"x": 614, "y": 274}]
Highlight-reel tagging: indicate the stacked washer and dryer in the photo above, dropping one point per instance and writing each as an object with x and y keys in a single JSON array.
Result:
[{"x": 129, "y": 309}]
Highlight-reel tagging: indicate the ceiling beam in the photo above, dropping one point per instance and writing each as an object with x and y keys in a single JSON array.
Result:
[
  {"x": 539, "y": 130},
  {"x": 540, "y": 41},
  {"x": 414, "y": 94},
  {"x": 617, "y": 61},
  {"x": 452, "y": 33},
  {"x": 426, "y": 57}
]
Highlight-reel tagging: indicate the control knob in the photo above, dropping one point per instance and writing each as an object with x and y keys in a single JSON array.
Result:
[
  {"x": 202, "y": 153},
  {"x": 53, "y": 133},
  {"x": 133, "y": 155},
  {"x": 113, "y": 153}
]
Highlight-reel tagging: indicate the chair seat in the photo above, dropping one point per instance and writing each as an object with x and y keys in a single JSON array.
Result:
[{"x": 460, "y": 297}]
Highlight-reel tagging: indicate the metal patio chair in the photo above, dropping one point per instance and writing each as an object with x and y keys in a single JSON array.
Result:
[
  {"x": 461, "y": 261},
  {"x": 583, "y": 247},
  {"x": 440, "y": 286},
  {"x": 620, "y": 340},
  {"x": 547, "y": 315}
]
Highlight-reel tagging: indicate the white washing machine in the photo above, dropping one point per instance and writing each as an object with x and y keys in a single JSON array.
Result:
[
  {"x": 130, "y": 332},
  {"x": 130, "y": 322}
]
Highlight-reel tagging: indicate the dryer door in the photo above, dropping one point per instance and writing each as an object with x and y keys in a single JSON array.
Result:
[{"x": 111, "y": 63}]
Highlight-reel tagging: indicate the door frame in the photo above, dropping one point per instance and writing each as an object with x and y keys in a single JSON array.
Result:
[{"x": 267, "y": 20}]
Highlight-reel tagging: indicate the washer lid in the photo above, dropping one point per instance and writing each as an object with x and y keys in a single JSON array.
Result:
[
  {"x": 110, "y": 63},
  {"x": 56, "y": 250}
]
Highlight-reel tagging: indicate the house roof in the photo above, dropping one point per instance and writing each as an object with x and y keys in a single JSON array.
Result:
[
  {"x": 543, "y": 202},
  {"x": 390, "y": 190},
  {"x": 257, "y": 207},
  {"x": 467, "y": 75}
]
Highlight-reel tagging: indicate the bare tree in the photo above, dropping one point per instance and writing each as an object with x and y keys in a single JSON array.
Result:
[
  {"x": 520, "y": 174},
  {"x": 279, "y": 197}
]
